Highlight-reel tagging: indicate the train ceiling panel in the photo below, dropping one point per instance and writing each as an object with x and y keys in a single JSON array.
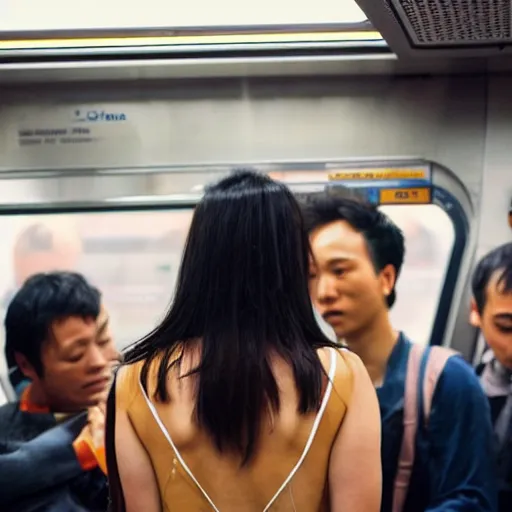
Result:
[
  {"x": 456, "y": 28},
  {"x": 158, "y": 39}
]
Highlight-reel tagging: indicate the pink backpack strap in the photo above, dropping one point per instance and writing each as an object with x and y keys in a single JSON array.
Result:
[
  {"x": 435, "y": 365},
  {"x": 437, "y": 359},
  {"x": 406, "y": 459}
]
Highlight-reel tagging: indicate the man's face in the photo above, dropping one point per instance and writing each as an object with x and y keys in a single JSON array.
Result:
[
  {"x": 344, "y": 286},
  {"x": 77, "y": 363},
  {"x": 495, "y": 321}
]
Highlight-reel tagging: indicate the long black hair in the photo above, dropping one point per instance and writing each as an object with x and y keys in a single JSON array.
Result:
[{"x": 242, "y": 290}]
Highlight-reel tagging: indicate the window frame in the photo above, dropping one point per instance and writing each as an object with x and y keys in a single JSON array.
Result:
[
  {"x": 452, "y": 207},
  {"x": 442, "y": 197}
]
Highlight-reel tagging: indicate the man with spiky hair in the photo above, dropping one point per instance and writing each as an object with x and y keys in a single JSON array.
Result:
[
  {"x": 445, "y": 461},
  {"x": 491, "y": 311}
]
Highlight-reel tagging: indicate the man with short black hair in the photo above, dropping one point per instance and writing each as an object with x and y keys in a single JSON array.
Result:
[
  {"x": 358, "y": 255},
  {"x": 491, "y": 311},
  {"x": 51, "y": 441}
]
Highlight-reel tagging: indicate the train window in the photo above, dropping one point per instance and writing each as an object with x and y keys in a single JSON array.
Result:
[
  {"x": 133, "y": 257},
  {"x": 429, "y": 239}
]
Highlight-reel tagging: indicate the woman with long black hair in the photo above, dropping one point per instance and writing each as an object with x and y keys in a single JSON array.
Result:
[{"x": 237, "y": 402}]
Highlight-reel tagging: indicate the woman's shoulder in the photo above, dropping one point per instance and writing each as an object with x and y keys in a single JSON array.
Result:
[
  {"x": 343, "y": 359},
  {"x": 130, "y": 375},
  {"x": 127, "y": 379},
  {"x": 347, "y": 366}
]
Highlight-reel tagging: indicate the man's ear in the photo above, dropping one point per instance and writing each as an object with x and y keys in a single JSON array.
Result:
[
  {"x": 25, "y": 367},
  {"x": 388, "y": 279},
  {"x": 474, "y": 315}
]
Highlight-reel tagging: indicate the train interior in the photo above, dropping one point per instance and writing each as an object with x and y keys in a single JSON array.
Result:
[{"x": 111, "y": 125}]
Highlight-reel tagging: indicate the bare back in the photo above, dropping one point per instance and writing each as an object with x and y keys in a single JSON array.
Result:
[{"x": 292, "y": 467}]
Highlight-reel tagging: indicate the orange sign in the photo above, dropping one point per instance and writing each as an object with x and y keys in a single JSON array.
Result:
[{"x": 405, "y": 196}]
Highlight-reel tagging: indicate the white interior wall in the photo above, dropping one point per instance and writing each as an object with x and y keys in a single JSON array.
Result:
[{"x": 496, "y": 192}]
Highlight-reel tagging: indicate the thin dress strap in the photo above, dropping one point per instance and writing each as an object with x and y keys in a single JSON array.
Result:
[{"x": 316, "y": 424}]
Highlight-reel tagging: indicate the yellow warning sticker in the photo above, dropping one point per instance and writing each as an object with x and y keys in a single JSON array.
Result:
[{"x": 379, "y": 174}]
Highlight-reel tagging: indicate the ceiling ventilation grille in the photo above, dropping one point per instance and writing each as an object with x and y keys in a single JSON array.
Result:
[{"x": 455, "y": 22}]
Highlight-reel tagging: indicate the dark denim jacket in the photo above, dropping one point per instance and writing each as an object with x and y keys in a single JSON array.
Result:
[
  {"x": 39, "y": 470},
  {"x": 454, "y": 467}
]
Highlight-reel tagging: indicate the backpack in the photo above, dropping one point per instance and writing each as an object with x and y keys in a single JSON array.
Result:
[{"x": 429, "y": 362}]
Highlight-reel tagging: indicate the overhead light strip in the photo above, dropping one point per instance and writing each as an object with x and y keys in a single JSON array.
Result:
[
  {"x": 36, "y": 15},
  {"x": 191, "y": 40}
]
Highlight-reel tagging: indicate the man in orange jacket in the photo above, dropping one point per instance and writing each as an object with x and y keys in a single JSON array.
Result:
[{"x": 51, "y": 441}]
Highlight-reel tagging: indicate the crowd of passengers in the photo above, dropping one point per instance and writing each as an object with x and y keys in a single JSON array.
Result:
[{"x": 238, "y": 401}]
